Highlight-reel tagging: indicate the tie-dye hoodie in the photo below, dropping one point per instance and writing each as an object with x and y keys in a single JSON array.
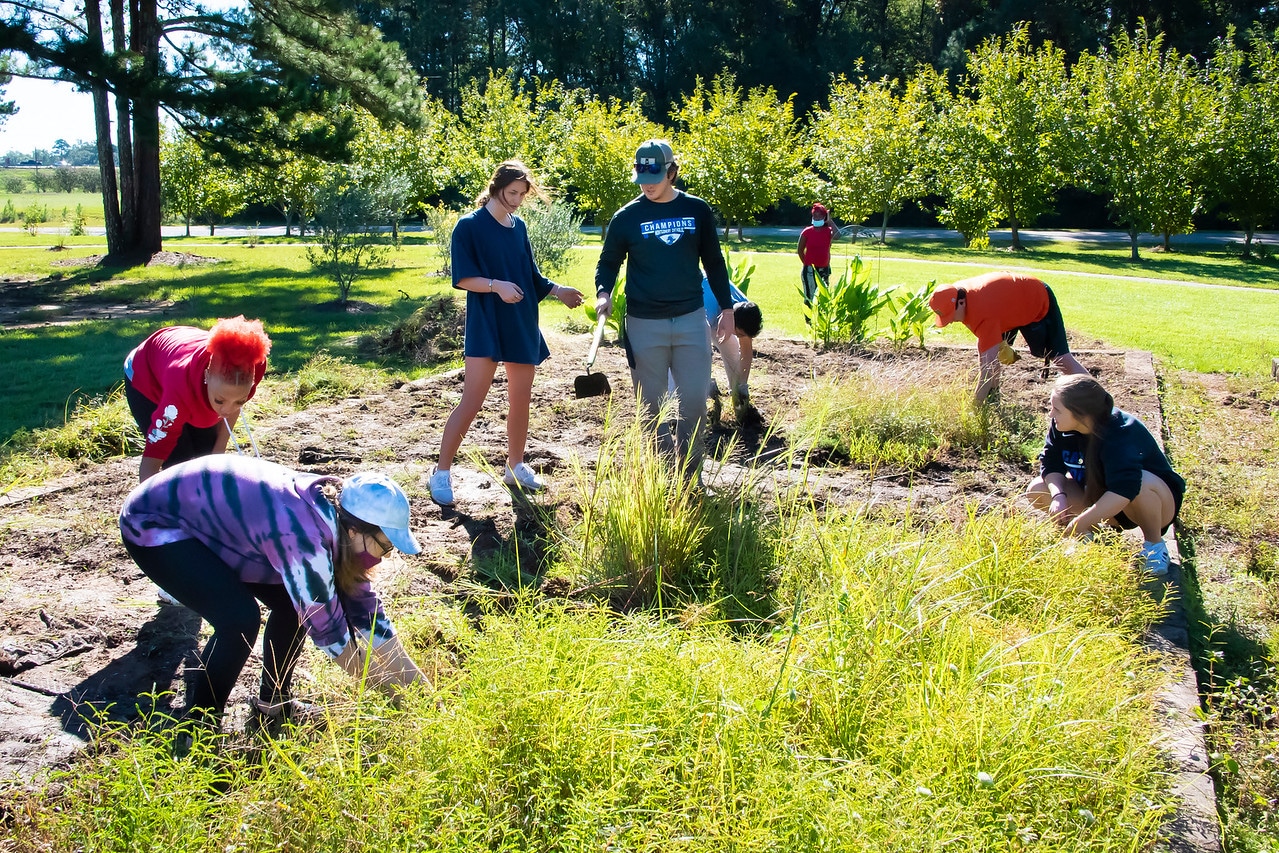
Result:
[{"x": 268, "y": 523}]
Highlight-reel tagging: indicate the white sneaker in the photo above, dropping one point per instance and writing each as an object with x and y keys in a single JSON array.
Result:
[
  {"x": 1155, "y": 555},
  {"x": 441, "y": 485},
  {"x": 523, "y": 477},
  {"x": 163, "y": 597}
]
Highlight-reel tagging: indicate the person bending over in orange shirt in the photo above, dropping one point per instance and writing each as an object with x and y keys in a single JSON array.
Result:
[{"x": 995, "y": 307}]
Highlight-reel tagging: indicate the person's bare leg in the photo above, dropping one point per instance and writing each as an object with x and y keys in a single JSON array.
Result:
[
  {"x": 1069, "y": 365},
  {"x": 1153, "y": 508},
  {"x": 746, "y": 345},
  {"x": 1039, "y": 496},
  {"x": 475, "y": 389},
  {"x": 519, "y": 394},
  {"x": 730, "y": 352}
]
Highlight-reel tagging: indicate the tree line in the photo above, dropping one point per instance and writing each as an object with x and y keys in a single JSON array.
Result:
[
  {"x": 1160, "y": 135},
  {"x": 277, "y": 87}
]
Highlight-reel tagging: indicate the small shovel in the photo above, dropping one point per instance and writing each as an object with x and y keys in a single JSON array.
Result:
[{"x": 593, "y": 384}]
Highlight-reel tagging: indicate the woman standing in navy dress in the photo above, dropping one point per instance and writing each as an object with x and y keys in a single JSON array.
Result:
[{"x": 493, "y": 262}]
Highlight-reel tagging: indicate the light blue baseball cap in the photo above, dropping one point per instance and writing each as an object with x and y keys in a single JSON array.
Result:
[{"x": 374, "y": 497}]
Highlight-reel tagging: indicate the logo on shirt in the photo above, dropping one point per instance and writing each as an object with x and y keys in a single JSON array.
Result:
[
  {"x": 669, "y": 230},
  {"x": 1074, "y": 462},
  {"x": 162, "y": 425}
]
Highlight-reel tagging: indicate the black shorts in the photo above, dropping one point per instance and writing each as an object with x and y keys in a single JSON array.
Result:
[
  {"x": 1128, "y": 524},
  {"x": 1047, "y": 337}
]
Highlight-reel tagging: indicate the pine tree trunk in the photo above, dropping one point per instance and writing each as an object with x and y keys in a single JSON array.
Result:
[{"x": 102, "y": 136}]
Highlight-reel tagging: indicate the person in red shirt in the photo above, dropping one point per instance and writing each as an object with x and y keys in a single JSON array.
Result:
[
  {"x": 814, "y": 251},
  {"x": 995, "y": 307},
  {"x": 185, "y": 388}
]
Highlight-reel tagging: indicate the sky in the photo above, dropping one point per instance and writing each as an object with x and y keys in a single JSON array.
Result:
[{"x": 47, "y": 111}]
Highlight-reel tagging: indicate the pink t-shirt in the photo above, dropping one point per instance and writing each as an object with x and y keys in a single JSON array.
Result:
[{"x": 168, "y": 368}]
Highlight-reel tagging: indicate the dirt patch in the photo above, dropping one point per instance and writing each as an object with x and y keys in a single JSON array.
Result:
[{"x": 81, "y": 628}]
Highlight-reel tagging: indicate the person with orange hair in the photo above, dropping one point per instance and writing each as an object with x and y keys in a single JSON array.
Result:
[{"x": 185, "y": 388}]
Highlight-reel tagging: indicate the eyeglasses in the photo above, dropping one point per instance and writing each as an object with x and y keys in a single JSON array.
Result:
[
  {"x": 649, "y": 168},
  {"x": 382, "y": 542}
]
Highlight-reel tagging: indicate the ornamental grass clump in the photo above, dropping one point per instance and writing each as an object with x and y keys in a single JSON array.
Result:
[
  {"x": 875, "y": 420},
  {"x": 643, "y": 521}
]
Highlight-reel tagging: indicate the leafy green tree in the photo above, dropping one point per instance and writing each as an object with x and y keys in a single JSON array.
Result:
[
  {"x": 197, "y": 185},
  {"x": 868, "y": 145},
  {"x": 1008, "y": 133},
  {"x": 292, "y": 187},
  {"x": 1243, "y": 134},
  {"x": 498, "y": 122},
  {"x": 594, "y": 159},
  {"x": 740, "y": 151},
  {"x": 968, "y": 195},
  {"x": 223, "y": 72},
  {"x": 1144, "y": 108}
]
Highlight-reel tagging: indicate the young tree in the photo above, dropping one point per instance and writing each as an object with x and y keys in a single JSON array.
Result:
[
  {"x": 739, "y": 151},
  {"x": 1009, "y": 129},
  {"x": 1243, "y": 134},
  {"x": 868, "y": 147},
  {"x": 197, "y": 185},
  {"x": 350, "y": 242},
  {"x": 594, "y": 159},
  {"x": 1143, "y": 110}
]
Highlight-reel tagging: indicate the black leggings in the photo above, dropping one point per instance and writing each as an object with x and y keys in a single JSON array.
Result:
[
  {"x": 192, "y": 442},
  {"x": 195, "y": 576}
]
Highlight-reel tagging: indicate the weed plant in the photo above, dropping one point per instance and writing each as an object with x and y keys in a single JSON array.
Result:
[
  {"x": 875, "y": 420},
  {"x": 97, "y": 429},
  {"x": 430, "y": 335},
  {"x": 327, "y": 378}
]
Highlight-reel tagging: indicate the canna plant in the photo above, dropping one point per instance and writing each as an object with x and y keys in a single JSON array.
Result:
[
  {"x": 843, "y": 312},
  {"x": 913, "y": 316},
  {"x": 616, "y": 320}
]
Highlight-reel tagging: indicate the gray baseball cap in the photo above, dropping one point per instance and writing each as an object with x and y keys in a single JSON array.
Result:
[{"x": 651, "y": 162}]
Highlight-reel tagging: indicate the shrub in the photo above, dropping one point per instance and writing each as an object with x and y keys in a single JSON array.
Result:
[
  {"x": 348, "y": 242},
  {"x": 441, "y": 220},
  {"x": 14, "y": 183},
  {"x": 91, "y": 180},
  {"x": 9, "y": 213},
  {"x": 65, "y": 179},
  {"x": 554, "y": 230}
]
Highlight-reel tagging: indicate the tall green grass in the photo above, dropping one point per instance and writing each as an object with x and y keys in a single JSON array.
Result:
[
  {"x": 874, "y": 420},
  {"x": 923, "y": 689}
]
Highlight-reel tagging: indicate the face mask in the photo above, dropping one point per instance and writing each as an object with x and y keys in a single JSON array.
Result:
[
  {"x": 818, "y": 223},
  {"x": 367, "y": 560}
]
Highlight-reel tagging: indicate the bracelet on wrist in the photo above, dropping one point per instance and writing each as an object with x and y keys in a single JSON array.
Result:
[{"x": 490, "y": 285}]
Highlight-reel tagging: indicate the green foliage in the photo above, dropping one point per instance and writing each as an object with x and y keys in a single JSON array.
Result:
[
  {"x": 14, "y": 183},
  {"x": 1144, "y": 110},
  {"x": 1242, "y": 166},
  {"x": 869, "y": 147},
  {"x": 617, "y": 319},
  {"x": 441, "y": 220},
  {"x": 843, "y": 312},
  {"x": 913, "y": 316},
  {"x": 740, "y": 275},
  {"x": 595, "y": 156},
  {"x": 196, "y": 184},
  {"x": 9, "y": 213},
  {"x": 349, "y": 242},
  {"x": 33, "y": 217},
  {"x": 738, "y": 150},
  {"x": 554, "y": 230}
]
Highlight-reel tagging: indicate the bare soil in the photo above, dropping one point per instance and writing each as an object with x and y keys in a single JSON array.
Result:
[{"x": 81, "y": 629}]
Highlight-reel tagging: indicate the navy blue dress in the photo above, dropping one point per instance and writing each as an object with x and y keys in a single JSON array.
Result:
[{"x": 495, "y": 329}]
